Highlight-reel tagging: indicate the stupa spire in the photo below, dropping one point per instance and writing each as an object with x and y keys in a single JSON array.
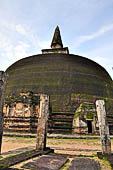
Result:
[
  {"x": 56, "y": 45},
  {"x": 57, "y": 41}
]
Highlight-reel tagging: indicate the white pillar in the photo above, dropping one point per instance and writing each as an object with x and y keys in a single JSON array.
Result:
[
  {"x": 42, "y": 122},
  {"x": 3, "y": 80},
  {"x": 103, "y": 127}
]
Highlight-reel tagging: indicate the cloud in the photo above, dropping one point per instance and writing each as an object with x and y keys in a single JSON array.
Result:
[
  {"x": 18, "y": 41},
  {"x": 106, "y": 63},
  {"x": 104, "y": 50},
  {"x": 43, "y": 44},
  {"x": 5, "y": 45},
  {"x": 14, "y": 51},
  {"x": 98, "y": 33},
  {"x": 10, "y": 49},
  {"x": 25, "y": 32},
  {"x": 102, "y": 55},
  {"x": 21, "y": 50},
  {"x": 21, "y": 29},
  {"x": 101, "y": 60}
]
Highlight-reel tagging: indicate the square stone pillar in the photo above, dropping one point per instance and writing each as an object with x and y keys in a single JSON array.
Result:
[
  {"x": 3, "y": 80},
  {"x": 42, "y": 122},
  {"x": 103, "y": 127}
]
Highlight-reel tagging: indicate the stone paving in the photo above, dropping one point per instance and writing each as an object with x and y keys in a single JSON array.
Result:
[
  {"x": 14, "y": 159},
  {"x": 46, "y": 162},
  {"x": 52, "y": 162},
  {"x": 84, "y": 164}
]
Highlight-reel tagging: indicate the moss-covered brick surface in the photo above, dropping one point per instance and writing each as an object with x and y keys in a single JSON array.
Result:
[
  {"x": 60, "y": 76},
  {"x": 85, "y": 109}
]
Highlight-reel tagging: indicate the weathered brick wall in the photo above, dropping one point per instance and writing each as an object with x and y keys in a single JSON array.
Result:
[{"x": 21, "y": 112}]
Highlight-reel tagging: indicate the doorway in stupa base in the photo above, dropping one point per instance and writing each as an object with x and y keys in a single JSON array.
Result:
[
  {"x": 89, "y": 125},
  {"x": 85, "y": 119}
]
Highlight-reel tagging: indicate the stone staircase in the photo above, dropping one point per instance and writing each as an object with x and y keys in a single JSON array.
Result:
[
  {"x": 57, "y": 123},
  {"x": 110, "y": 123},
  {"x": 20, "y": 124},
  {"x": 60, "y": 122}
]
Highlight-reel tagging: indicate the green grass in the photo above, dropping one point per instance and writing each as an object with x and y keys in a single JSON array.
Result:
[
  {"x": 17, "y": 154},
  {"x": 106, "y": 161},
  {"x": 3, "y": 166},
  {"x": 60, "y": 139},
  {"x": 66, "y": 165},
  {"x": 22, "y": 139},
  {"x": 95, "y": 155}
]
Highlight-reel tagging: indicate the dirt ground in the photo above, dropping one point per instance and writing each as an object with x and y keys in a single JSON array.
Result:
[
  {"x": 80, "y": 145},
  {"x": 12, "y": 143},
  {"x": 72, "y": 147}
]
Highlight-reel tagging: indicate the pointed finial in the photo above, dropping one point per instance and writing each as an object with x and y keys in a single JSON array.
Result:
[{"x": 57, "y": 41}]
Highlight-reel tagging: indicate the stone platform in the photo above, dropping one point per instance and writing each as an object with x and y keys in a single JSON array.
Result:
[
  {"x": 17, "y": 156},
  {"x": 46, "y": 162},
  {"x": 84, "y": 164},
  {"x": 58, "y": 162}
]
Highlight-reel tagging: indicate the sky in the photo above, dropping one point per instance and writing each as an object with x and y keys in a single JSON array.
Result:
[{"x": 27, "y": 26}]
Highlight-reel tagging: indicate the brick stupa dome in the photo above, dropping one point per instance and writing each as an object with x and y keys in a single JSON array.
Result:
[{"x": 63, "y": 76}]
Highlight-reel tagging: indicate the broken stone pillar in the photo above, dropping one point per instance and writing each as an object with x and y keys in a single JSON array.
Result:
[
  {"x": 3, "y": 80},
  {"x": 42, "y": 122},
  {"x": 103, "y": 127}
]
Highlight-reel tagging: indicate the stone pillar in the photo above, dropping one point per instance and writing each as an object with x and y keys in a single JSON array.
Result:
[
  {"x": 103, "y": 127},
  {"x": 42, "y": 122},
  {"x": 3, "y": 80}
]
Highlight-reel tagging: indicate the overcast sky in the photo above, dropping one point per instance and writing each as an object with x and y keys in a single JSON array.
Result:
[{"x": 27, "y": 26}]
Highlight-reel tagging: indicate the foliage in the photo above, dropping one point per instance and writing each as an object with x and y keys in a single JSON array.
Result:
[
  {"x": 89, "y": 116},
  {"x": 29, "y": 99},
  {"x": 3, "y": 166}
]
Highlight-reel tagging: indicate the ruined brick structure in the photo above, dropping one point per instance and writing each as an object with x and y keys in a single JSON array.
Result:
[
  {"x": 21, "y": 112},
  {"x": 85, "y": 119},
  {"x": 69, "y": 80}
]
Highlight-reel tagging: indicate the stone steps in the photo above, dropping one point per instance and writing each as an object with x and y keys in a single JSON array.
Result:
[
  {"x": 110, "y": 123},
  {"x": 60, "y": 123},
  {"x": 20, "y": 124},
  {"x": 57, "y": 123}
]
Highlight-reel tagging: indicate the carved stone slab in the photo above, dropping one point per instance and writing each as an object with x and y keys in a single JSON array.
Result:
[
  {"x": 46, "y": 162},
  {"x": 103, "y": 127},
  {"x": 42, "y": 122},
  {"x": 84, "y": 164}
]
